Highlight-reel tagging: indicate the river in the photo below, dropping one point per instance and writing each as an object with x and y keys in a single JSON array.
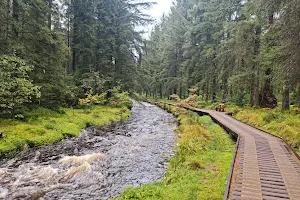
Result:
[{"x": 96, "y": 165}]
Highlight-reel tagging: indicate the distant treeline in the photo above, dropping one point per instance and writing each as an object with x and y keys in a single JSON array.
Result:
[{"x": 247, "y": 52}]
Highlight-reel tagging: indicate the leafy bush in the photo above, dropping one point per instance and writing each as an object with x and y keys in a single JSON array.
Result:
[
  {"x": 140, "y": 97},
  {"x": 121, "y": 100},
  {"x": 16, "y": 88},
  {"x": 99, "y": 99},
  {"x": 174, "y": 97},
  {"x": 112, "y": 98}
]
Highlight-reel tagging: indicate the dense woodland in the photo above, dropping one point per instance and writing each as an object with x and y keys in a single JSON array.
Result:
[
  {"x": 55, "y": 51},
  {"x": 247, "y": 52}
]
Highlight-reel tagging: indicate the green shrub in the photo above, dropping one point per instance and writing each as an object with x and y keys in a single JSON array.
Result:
[
  {"x": 112, "y": 97},
  {"x": 122, "y": 100},
  {"x": 174, "y": 97},
  {"x": 139, "y": 97},
  {"x": 99, "y": 99}
]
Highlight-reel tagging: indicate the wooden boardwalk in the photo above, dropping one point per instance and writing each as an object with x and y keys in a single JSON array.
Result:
[{"x": 264, "y": 166}]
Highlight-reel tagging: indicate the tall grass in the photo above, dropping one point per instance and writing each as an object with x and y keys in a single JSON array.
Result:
[{"x": 285, "y": 124}]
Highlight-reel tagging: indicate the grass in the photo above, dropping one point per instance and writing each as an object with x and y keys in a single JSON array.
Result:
[
  {"x": 285, "y": 124},
  {"x": 43, "y": 126},
  {"x": 200, "y": 167}
]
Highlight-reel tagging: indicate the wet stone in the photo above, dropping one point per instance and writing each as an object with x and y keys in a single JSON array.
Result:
[{"x": 135, "y": 153}]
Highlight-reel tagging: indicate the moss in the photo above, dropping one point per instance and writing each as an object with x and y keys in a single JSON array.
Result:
[
  {"x": 200, "y": 167},
  {"x": 43, "y": 126}
]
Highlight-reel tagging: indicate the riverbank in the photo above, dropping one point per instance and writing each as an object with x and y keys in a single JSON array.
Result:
[
  {"x": 43, "y": 126},
  {"x": 200, "y": 167}
]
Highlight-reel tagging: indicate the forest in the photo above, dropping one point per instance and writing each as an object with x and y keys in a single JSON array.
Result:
[
  {"x": 55, "y": 52},
  {"x": 245, "y": 52}
]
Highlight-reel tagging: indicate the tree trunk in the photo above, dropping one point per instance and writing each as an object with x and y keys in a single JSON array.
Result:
[
  {"x": 286, "y": 95},
  {"x": 160, "y": 91},
  {"x": 298, "y": 96},
  {"x": 8, "y": 33},
  {"x": 256, "y": 75},
  {"x": 266, "y": 97},
  {"x": 214, "y": 87},
  {"x": 74, "y": 60},
  {"x": 180, "y": 90},
  {"x": 231, "y": 93},
  {"x": 206, "y": 92},
  {"x": 50, "y": 4},
  {"x": 256, "y": 87},
  {"x": 225, "y": 88},
  {"x": 252, "y": 92}
]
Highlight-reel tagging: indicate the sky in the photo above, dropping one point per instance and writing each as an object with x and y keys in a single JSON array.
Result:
[{"x": 162, "y": 6}]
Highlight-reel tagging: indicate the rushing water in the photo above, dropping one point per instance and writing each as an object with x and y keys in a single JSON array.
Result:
[{"x": 96, "y": 165}]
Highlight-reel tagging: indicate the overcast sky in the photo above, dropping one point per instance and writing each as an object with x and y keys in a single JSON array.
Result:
[{"x": 162, "y": 6}]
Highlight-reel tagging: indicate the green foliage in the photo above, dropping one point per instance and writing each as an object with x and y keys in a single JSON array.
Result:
[
  {"x": 198, "y": 170},
  {"x": 42, "y": 126},
  {"x": 74, "y": 46},
  {"x": 16, "y": 88},
  {"x": 139, "y": 97},
  {"x": 104, "y": 42},
  {"x": 238, "y": 51},
  {"x": 174, "y": 97},
  {"x": 94, "y": 81},
  {"x": 119, "y": 99},
  {"x": 115, "y": 99},
  {"x": 99, "y": 99}
]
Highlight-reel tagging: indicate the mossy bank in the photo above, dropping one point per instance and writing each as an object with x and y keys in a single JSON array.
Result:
[{"x": 43, "y": 126}]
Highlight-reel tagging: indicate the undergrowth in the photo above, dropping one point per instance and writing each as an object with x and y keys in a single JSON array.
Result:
[
  {"x": 42, "y": 126},
  {"x": 200, "y": 167},
  {"x": 285, "y": 124}
]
